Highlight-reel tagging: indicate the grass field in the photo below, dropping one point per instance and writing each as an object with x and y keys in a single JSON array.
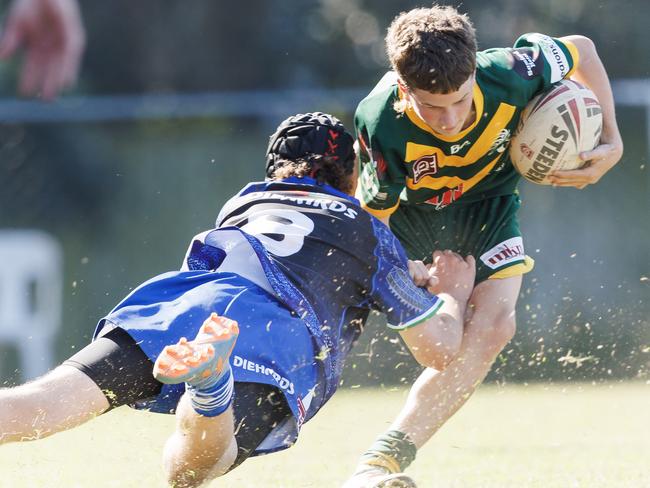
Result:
[{"x": 564, "y": 436}]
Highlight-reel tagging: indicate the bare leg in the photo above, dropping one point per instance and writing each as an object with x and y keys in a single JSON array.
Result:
[
  {"x": 203, "y": 445},
  {"x": 201, "y": 448},
  {"x": 437, "y": 395},
  {"x": 60, "y": 400}
]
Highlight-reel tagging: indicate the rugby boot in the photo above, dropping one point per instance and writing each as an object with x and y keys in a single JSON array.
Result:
[
  {"x": 376, "y": 477},
  {"x": 196, "y": 360}
]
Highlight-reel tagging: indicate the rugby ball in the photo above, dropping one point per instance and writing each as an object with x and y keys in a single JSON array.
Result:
[{"x": 555, "y": 127}]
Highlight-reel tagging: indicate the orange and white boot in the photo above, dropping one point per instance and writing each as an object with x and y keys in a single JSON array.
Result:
[{"x": 204, "y": 358}]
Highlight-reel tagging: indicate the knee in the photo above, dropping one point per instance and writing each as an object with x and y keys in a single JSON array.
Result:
[
  {"x": 182, "y": 477},
  {"x": 186, "y": 467},
  {"x": 492, "y": 332}
]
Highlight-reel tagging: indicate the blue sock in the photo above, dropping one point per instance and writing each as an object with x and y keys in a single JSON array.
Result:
[{"x": 211, "y": 396}]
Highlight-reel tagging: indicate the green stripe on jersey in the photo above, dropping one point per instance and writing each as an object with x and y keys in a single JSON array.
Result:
[{"x": 420, "y": 318}]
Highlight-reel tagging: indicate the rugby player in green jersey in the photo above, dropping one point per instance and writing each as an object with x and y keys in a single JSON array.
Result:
[{"x": 433, "y": 137}]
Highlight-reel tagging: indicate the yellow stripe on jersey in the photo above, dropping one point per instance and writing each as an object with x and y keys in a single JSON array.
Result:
[
  {"x": 478, "y": 149},
  {"x": 452, "y": 181},
  {"x": 380, "y": 213},
  {"x": 415, "y": 118},
  {"x": 516, "y": 270},
  {"x": 575, "y": 56}
]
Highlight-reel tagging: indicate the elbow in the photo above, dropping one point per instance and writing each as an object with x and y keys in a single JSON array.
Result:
[
  {"x": 585, "y": 46},
  {"x": 581, "y": 42}
]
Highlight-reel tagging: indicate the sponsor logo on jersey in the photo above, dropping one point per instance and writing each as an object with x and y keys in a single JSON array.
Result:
[
  {"x": 425, "y": 166},
  {"x": 500, "y": 142},
  {"x": 504, "y": 253},
  {"x": 553, "y": 54},
  {"x": 455, "y": 149},
  {"x": 248, "y": 365},
  {"x": 447, "y": 198},
  {"x": 524, "y": 63}
]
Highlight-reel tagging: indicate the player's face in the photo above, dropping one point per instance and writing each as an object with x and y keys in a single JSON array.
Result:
[{"x": 445, "y": 113}]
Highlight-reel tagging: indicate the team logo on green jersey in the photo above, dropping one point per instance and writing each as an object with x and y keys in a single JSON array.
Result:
[
  {"x": 499, "y": 144},
  {"x": 447, "y": 198},
  {"x": 456, "y": 148},
  {"x": 425, "y": 166}
]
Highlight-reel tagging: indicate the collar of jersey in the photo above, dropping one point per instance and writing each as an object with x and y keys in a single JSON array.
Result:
[
  {"x": 295, "y": 180},
  {"x": 415, "y": 118}
]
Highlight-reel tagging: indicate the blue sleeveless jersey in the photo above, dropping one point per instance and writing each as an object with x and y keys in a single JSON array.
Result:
[{"x": 324, "y": 264}]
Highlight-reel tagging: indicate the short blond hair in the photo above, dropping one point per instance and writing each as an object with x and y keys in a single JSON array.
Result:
[{"x": 432, "y": 49}]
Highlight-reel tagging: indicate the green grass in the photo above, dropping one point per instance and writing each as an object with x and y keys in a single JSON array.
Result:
[{"x": 564, "y": 436}]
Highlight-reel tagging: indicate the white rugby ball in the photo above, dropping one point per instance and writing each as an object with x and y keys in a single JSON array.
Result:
[{"x": 555, "y": 127}]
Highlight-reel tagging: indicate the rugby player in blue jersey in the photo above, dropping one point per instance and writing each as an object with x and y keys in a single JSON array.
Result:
[{"x": 254, "y": 329}]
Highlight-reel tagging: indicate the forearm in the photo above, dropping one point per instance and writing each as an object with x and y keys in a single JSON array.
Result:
[
  {"x": 591, "y": 72},
  {"x": 437, "y": 341}
]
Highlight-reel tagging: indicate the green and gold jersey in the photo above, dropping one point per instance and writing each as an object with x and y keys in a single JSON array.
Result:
[{"x": 404, "y": 162}]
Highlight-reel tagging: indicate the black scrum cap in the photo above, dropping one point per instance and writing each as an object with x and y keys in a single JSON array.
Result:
[{"x": 311, "y": 133}]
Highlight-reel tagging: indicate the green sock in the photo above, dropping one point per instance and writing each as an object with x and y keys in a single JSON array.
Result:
[{"x": 393, "y": 451}]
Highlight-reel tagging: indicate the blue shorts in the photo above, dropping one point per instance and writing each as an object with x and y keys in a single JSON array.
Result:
[{"x": 274, "y": 346}]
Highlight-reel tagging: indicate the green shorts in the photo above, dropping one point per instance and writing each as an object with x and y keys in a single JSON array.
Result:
[{"x": 486, "y": 229}]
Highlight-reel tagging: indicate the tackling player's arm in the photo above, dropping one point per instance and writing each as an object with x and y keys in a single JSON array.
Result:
[
  {"x": 591, "y": 72},
  {"x": 435, "y": 342}
]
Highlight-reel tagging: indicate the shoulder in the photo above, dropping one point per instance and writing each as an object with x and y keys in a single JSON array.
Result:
[
  {"x": 498, "y": 77},
  {"x": 377, "y": 108},
  {"x": 556, "y": 52},
  {"x": 515, "y": 74}
]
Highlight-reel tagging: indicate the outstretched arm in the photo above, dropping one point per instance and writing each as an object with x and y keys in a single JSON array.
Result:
[
  {"x": 591, "y": 72},
  {"x": 51, "y": 34}
]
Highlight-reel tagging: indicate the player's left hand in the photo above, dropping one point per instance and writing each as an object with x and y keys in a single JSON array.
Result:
[
  {"x": 597, "y": 162},
  {"x": 52, "y": 36}
]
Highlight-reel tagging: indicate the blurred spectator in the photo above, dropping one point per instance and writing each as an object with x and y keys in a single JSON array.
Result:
[{"x": 51, "y": 34}]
